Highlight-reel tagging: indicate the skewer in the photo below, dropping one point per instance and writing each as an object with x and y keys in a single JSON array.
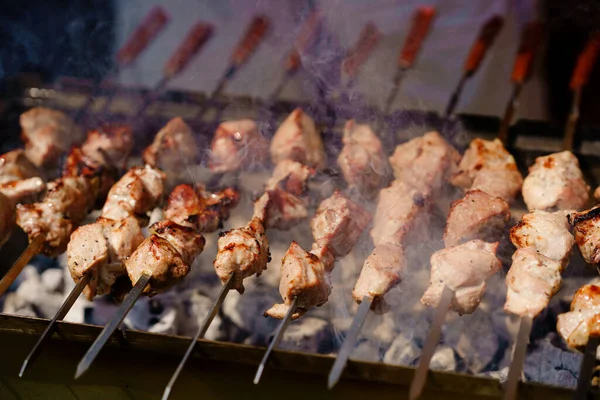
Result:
[
  {"x": 516, "y": 365},
  {"x": 484, "y": 41},
  {"x": 586, "y": 370},
  {"x": 531, "y": 37},
  {"x": 112, "y": 325},
  {"x": 433, "y": 338},
  {"x": 199, "y": 335},
  {"x": 60, "y": 314},
  {"x": 421, "y": 23},
  {"x": 276, "y": 339},
  {"x": 349, "y": 342},
  {"x": 366, "y": 43},
  {"x": 154, "y": 22},
  {"x": 580, "y": 77},
  {"x": 32, "y": 249}
]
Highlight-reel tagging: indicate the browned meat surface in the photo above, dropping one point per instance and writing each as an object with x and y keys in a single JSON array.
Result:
[
  {"x": 425, "y": 163},
  {"x": 166, "y": 255},
  {"x": 136, "y": 193},
  {"x": 290, "y": 176},
  {"x": 583, "y": 321},
  {"x": 305, "y": 277},
  {"x": 383, "y": 269},
  {"x": 597, "y": 194},
  {"x": 362, "y": 159},
  {"x": 464, "y": 269},
  {"x": 18, "y": 191},
  {"x": 15, "y": 166},
  {"x": 102, "y": 247},
  {"x": 586, "y": 228},
  {"x": 476, "y": 216},
  {"x": 487, "y": 166},
  {"x": 237, "y": 145},
  {"x": 174, "y": 148},
  {"x": 108, "y": 146},
  {"x": 298, "y": 139},
  {"x": 279, "y": 209},
  {"x": 242, "y": 252},
  {"x": 338, "y": 223},
  {"x": 48, "y": 134},
  {"x": 555, "y": 182}
]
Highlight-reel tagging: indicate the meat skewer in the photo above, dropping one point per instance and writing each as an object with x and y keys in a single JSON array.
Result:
[
  {"x": 484, "y": 41},
  {"x": 296, "y": 149},
  {"x": 459, "y": 271},
  {"x": 531, "y": 37},
  {"x": 414, "y": 164},
  {"x": 581, "y": 75},
  {"x": 421, "y": 24},
  {"x": 368, "y": 39},
  {"x": 165, "y": 257}
]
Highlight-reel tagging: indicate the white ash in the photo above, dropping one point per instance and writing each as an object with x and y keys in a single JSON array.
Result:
[
  {"x": 307, "y": 334},
  {"x": 367, "y": 351},
  {"x": 191, "y": 313},
  {"x": 157, "y": 314},
  {"x": 403, "y": 351},
  {"x": 444, "y": 359}
]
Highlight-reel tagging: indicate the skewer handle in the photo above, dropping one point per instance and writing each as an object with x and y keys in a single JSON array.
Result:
[
  {"x": 484, "y": 41},
  {"x": 197, "y": 37},
  {"x": 254, "y": 34},
  {"x": 367, "y": 40},
  {"x": 32, "y": 249},
  {"x": 531, "y": 37},
  {"x": 145, "y": 32},
  {"x": 421, "y": 23},
  {"x": 306, "y": 37},
  {"x": 585, "y": 63}
]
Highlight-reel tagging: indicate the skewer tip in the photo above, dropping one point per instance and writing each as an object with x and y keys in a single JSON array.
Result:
[
  {"x": 23, "y": 367},
  {"x": 82, "y": 367},
  {"x": 166, "y": 393},
  {"x": 259, "y": 372}
]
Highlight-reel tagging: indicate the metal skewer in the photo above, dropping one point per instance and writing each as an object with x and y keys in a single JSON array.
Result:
[
  {"x": 276, "y": 339},
  {"x": 420, "y": 377},
  {"x": 349, "y": 342},
  {"x": 586, "y": 370},
  {"x": 32, "y": 249},
  {"x": 420, "y": 27},
  {"x": 484, "y": 41},
  {"x": 366, "y": 43},
  {"x": 516, "y": 365},
  {"x": 60, "y": 314},
  {"x": 580, "y": 77},
  {"x": 112, "y": 325},
  {"x": 531, "y": 37},
  {"x": 199, "y": 334}
]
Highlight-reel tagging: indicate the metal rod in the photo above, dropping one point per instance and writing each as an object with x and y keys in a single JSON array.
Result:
[
  {"x": 394, "y": 92},
  {"x": 516, "y": 365},
  {"x": 572, "y": 120},
  {"x": 511, "y": 107},
  {"x": 61, "y": 313},
  {"x": 276, "y": 339},
  {"x": 112, "y": 325},
  {"x": 31, "y": 250},
  {"x": 453, "y": 102},
  {"x": 420, "y": 377},
  {"x": 199, "y": 334},
  {"x": 349, "y": 342},
  {"x": 586, "y": 370}
]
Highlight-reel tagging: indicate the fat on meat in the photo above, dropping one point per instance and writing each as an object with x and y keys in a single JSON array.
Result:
[
  {"x": 583, "y": 320},
  {"x": 586, "y": 228},
  {"x": 237, "y": 145}
]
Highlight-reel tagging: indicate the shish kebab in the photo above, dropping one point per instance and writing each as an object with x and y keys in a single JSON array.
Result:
[
  {"x": 421, "y": 166},
  {"x": 460, "y": 270},
  {"x": 554, "y": 185},
  {"x": 296, "y": 150}
]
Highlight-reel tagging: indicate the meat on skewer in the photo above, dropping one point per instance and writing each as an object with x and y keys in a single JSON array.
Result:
[
  {"x": 583, "y": 320},
  {"x": 555, "y": 182},
  {"x": 105, "y": 146},
  {"x": 12, "y": 193},
  {"x": 236, "y": 145},
  {"x": 15, "y": 166},
  {"x": 586, "y": 226}
]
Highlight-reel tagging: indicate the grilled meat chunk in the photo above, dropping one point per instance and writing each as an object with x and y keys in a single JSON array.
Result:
[
  {"x": 464, "y": 269},
  {"x": 338, "y": 223},
  {"x": 136, "y": 193},
  {"x": 237, "y": 145},
  {"x": 298, "y": 139},
  {"x": 597, "y": 194},
  {"x": 487, "y": 166},
  {"x": 290, "y": 176},
  {"x": 425, "y": 163},
  {"x": 532, "y": 280},
  {"x": 15, "y": 166},
  {"x": 47, "y": 134},
  {"x": 362, "y": 160},
  {"x": 555, "y": 182},
  {"x": 279, "y": 209},
  {"x": 7, "y": 218},
  {"x": 476, "y": 216},
  {"x": 586, "y": 227},
  {"x": 305, "y": 277},
  {"x": 108, "y": 146},
  {"x": 383, "y": 269},
  {"x": 17, "y": 191},
  {"x": 102, "y": 248},
  {"x": 242, "y": 252},
  {"x": 583, "y": 321}
]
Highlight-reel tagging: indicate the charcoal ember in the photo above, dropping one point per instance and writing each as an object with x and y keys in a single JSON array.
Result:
[
  {"x": 444, "y": 359},
  {"x": 403, "y": 351},
  {"x": 307, "y": 334},
  {"x": 157, "y": 314},
  {"x": 246, "y": 311},
  {"x": 191, "y": 313},
  {"x": 32, "y": 298},
  {"x": 547, "y": 363}
]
